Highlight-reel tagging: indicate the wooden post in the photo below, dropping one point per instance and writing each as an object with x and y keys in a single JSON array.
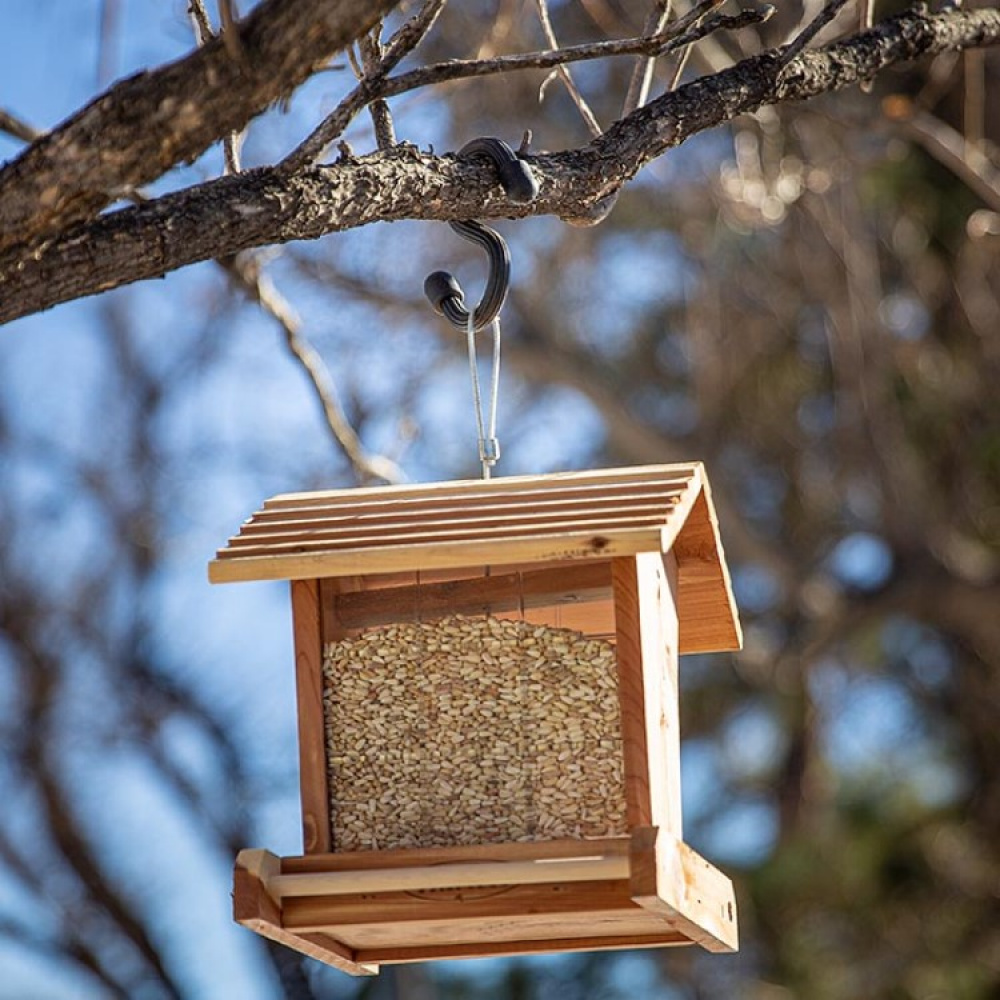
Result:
[
  {"x": 645, "y": 590},
  {"x": 306, "y": 626},
  {"x": 671, "y": 880},
  {"x": 254, "y": 908}
]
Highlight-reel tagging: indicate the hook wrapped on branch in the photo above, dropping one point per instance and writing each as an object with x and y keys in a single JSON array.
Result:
[{"x": 441, "y": 287}]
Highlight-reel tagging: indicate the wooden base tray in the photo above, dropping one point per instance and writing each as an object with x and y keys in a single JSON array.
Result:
[{"x": 355, "y": 911}]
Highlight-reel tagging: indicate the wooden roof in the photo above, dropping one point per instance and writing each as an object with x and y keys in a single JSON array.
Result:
[{"x": 512, "y": 520}]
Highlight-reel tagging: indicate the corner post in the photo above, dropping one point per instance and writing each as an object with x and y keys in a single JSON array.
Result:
[
  {"x": 645, "y": 599},
  {"x": 307, "y": 631}
]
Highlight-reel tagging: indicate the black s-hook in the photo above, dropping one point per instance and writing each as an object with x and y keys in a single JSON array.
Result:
[{"x": 442, "y": 288}]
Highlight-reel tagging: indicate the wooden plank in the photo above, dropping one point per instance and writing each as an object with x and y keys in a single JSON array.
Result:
[
  {"x": 593, "y": 618},
  {"x": 486, "y": 932},
  {"x": 441, "y": 555},
  {"x": 306, "y": 628},
  {"x": 402, "y": 857},
  {"x": 672, "y": 880},
  {"x": 647, "y": 647},
  {"x": 505, "y": 949},
  {"x": 569, "y": 584},
  {"x": 432, "y": 535},
  {"x": 553, "y": 899},
  {"x": 507, "y": 485},
  {"x": 649, "y": 498},
  {"x": 255, "y": 909},
  {"x": 707, "y": 609},
  {"x": 449, "y": 876}
]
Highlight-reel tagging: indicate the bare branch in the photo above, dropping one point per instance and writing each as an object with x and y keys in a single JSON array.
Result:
[
  {"x": 968, "y": 161},
  {"x": 154, "y": 120},
  {"x": 588, "y": 116},
  {"x": 682, "y": 32},
  {"x": 372, "y": 55},
  {"x": 109, "y": 15},
  {"x": 642, "y": 75},
  {"x": 719, "y": 22},
  {"x": 18, "y": 127},
  {"x": 246, "y": 273},
  {"x": 812, "y": 29},
  {"x": 974, "y": 102},
  {"x": 230, "y": 31},
  {"x": 866, "y": 14},
  {"x": 371, "y": 88},
  {"x": 204, "y": 34}
]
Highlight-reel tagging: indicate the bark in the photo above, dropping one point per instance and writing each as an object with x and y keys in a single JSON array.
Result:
[
  {"x": 149, "y": 122},
  {"x": 267, "y": 206}
]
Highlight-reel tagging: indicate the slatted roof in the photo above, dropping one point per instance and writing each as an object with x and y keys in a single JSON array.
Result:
[{"x": 504, "y": 521}]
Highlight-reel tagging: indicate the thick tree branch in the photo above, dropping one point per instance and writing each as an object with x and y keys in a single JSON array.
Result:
[
  {"x": 270, "y": 206},
  {"x": 146, "y": 124}
]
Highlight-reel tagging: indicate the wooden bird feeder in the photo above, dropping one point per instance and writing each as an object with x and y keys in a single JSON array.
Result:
[{"x": 488, "y": 715}]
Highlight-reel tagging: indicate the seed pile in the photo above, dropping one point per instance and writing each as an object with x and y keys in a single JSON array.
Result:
[{"x": 470, "y": 731}]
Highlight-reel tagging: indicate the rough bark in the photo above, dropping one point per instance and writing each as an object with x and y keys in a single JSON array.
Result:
[
  {"x": 149, "y": 122},
  {"x": 268, "y": 206}
]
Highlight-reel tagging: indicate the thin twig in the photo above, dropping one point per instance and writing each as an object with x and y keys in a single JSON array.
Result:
[
  {"x": 866, "y": 14},
  {"x": 246, "y": 273},
  {"x": 813, "y": 28},
  {"x": 203, "y": 33},
  {"x": 369, "y": 88},
  {"x": 721, "y": 22},
  {"x": 675, "y": 77},
  {"x": 411, "y": 33},
  {"x": 969, "y": 163},
  {"x": 588, "y": 116},
  {"x": 372, "y": 53},
  {"x": 642, "y": 74},
  {"x": 18, "y": 127},
  {"x": 109, "y": 22},
  {"x": 229, "y": 32},
  {"x": 203, "y": 30},
  {"x": 681, "y": 32},
  {"x": 973, "y": 96}
]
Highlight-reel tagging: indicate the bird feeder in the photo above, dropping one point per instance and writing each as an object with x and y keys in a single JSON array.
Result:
[{"x": 488, "y": 715}]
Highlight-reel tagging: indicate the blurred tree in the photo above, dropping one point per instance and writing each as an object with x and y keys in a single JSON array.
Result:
[{"x": 807, "y": 299}]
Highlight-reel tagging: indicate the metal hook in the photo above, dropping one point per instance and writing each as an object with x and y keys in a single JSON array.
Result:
[{"x": 442, "y": 288}]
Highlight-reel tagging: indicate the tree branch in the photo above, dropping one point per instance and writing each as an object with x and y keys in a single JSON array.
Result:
[
  {"x": 203, "y": 35},
  {"x": 266, "y": 206},
  {"x": 18, "y": 128},
  {"x": 682, "y": 32},
  {"x": 146, "y": 124},
  {"x": 642, "y": 73},
  {"x": 368, "y": 467},
  {"x": 586, "y": 113}
]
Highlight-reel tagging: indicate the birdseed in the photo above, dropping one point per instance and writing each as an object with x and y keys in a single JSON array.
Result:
[{"x": 471, "y": 730}]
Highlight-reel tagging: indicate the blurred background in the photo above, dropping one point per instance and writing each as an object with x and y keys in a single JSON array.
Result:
[{"x": 806, "y": 300}]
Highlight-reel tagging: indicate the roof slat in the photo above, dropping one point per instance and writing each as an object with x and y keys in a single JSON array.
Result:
[
  {"x": 433, "y": 535},
  {"x": 334, "y": 529},
  {"x": 459, "y": 506},
  {"x": 508, "y": 486}
]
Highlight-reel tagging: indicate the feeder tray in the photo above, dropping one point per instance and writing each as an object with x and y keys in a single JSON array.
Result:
[{"x": 488, "y": 716}]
